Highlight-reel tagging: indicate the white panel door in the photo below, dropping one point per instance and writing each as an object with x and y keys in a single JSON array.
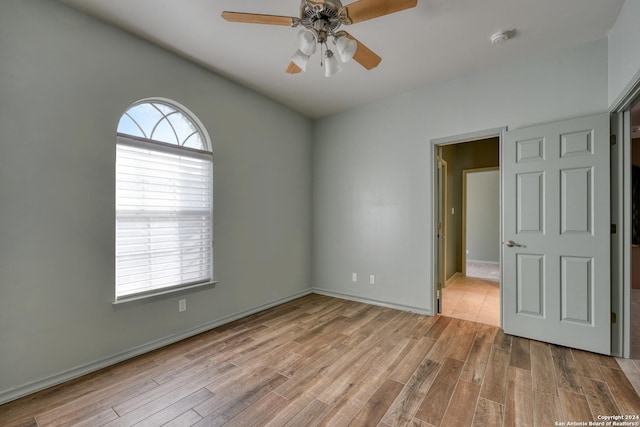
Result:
[{"x": 556, "y": 255}]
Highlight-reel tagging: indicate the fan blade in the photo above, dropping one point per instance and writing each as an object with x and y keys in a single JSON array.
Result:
[
  {"x": 293, "y": 69},
  {"x": 255, "y": 18},
  {"x": 365, "y": 56},
  {"x": 363, "y": 10}
]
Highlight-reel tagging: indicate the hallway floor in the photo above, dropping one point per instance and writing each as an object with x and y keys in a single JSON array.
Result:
[{"x": 469, "y": 298}]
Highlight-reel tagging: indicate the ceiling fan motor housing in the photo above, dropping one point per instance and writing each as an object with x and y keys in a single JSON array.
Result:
[{"x": 322, "y": 16}]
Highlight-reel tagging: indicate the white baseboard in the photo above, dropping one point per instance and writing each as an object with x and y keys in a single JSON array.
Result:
[
  {"x": 483, "y": 262},
  {"x": 34, "y": 386},
  {"x": 350, "y": 297}
]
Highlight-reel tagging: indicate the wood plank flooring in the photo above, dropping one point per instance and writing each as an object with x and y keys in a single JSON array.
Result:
[{"x": 321, "y": 361}]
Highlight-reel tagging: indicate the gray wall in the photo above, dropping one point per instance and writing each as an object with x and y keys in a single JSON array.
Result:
[
  {"x": 372, "y": 166},
  {"x": 624, "y": 54},
  {"x": 65, "y": 80},
  {"x": 483, "y": 216},
  {"x": 469, "y": 155}
]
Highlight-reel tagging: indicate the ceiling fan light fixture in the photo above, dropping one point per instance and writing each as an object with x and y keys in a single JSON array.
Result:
[
  {"x": 346, "y": 48},
  {"x": 300, "y": 59},
  {"x": 307, "y": 41},
  {"x": 331, "y": 64},
  {"x": 320, "y": 20}
]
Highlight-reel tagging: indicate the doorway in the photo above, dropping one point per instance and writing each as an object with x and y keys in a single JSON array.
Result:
[
  {"x": 635, "y": 231},
  {"x": 555, "y": 221},
  {"x": 462, "y": 296}
]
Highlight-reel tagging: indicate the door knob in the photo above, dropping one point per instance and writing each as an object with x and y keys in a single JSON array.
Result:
[{"x": 511, "y": 244}]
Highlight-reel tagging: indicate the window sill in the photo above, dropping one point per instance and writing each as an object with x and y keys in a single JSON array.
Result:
[{"x": 161, "y": 295}]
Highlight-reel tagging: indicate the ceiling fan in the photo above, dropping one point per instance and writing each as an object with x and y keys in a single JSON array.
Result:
[{"x": 320, "y": 20}]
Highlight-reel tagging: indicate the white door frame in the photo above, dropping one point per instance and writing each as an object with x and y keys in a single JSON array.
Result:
[
  {"x": 450, "y": 140},
  {"x": 621, "y": 216},
  {"x": 621, "y": 240}
]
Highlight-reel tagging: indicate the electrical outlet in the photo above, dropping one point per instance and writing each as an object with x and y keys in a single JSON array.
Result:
[
  {"x": 372, "y": 280},
  {"x": 354, "y": 277},
  {"x": 182, "y": 305}
]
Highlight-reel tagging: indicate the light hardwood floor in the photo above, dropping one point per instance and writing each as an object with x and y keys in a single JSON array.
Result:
[{"x": 331, "y": 362}]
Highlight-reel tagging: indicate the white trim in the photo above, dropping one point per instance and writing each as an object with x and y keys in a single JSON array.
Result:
[
  {"x": 470, "y": 136},
  {"x": 69, "y": 374},
  {"x": 163, "y": 147},
  {"x": 483, "y": 262},
  {"x": 409, "y": 308},
  {"x": 622, "y": 105},
  {"x": 625, "y": 233},
  {"x": 163, "y": 293}
]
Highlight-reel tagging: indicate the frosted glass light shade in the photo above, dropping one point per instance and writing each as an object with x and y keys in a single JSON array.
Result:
[
  {"x": 307, "y": 42},
  {"x": 346, "y": 48},
  {"x": 331, "y": 65},
  {"x": 300, "y": 59}
]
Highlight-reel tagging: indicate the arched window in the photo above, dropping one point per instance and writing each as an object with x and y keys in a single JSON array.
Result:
[{"x": 163, "y": 200}]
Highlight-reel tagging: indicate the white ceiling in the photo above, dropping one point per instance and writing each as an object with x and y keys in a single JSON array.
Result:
[{"x": 437, "y": 40}]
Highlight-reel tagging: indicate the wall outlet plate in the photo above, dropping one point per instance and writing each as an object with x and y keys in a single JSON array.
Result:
[{"x": 182, "y": 305}]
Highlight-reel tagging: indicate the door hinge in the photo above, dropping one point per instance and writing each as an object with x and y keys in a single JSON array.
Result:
[
  {"x": 613, "y": 139},
  {"x": 614, "y": 229},
  {"x": 614, "y": 317}
]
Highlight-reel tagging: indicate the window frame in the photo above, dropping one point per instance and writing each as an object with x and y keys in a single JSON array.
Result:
[{"x": 173, "y": 149}]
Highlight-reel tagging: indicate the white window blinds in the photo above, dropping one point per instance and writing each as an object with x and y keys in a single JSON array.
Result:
[{"x": 163, "y": 217}]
